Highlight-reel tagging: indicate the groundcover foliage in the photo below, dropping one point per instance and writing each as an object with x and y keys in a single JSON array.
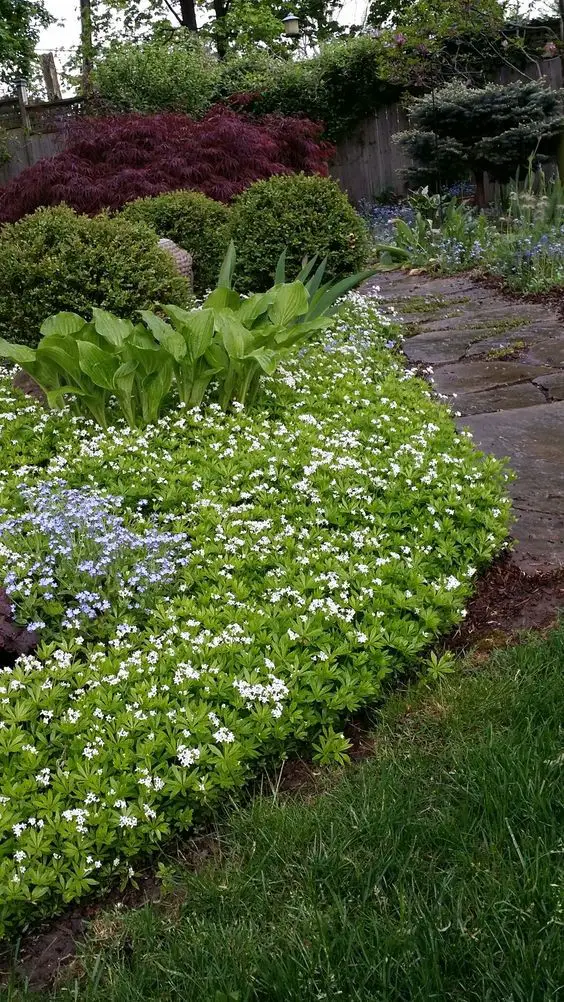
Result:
[{"x": 216, "y": 590}]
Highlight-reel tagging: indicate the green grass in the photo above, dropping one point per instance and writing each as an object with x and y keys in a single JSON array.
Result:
[{"x": 430, "y": 872}]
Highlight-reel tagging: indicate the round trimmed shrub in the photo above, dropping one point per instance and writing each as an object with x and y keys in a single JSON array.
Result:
[
  {"x": 195, "y": 222},
  {"x": 307, "y": 216},
  {"x": 57, "y": 260}
]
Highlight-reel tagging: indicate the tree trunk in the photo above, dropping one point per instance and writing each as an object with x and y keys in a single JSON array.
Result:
[
  {"x": 480, "y": 181},
  {"x": 221, "y": 8},
  {"x": 87, "y": 45},
  {"x": 188, "y": 14}
]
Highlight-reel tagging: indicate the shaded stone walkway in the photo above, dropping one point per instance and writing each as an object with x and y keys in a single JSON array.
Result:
[{"x": 501, "y": 363}]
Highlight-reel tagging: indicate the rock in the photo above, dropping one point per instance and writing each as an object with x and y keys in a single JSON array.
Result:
[
  {"x": 182, "y": 259},
  {"x": 469, "y": 377},
  {"x": 22, "y": 381}
]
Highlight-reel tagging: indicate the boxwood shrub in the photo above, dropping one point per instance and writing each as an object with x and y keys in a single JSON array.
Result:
[
  {"x": 217, "y": 591},
  {"x": 305, "y": 214},
  {"x": 195, "y": 222},
  {"x": 57, "y": 260}
]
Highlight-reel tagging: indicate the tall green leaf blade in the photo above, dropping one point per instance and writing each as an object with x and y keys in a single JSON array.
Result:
[
  {"x": 290, "y": 301},
  {"x": 280, "y": 273},
  {"x": 307, "y": 267},
  {"x": 337, "y": 291},
  {"x": 315, "y": 281},
  {"x": 124, "y": 381},
  {"x": 97, "y": 364},
  {"x": 62, "y": 324},
  {"x": 225, "y": 280},
  {"x": 111, "y": 328}
]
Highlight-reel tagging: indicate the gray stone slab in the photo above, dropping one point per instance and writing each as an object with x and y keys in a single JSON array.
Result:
[
  {"x": 553, "y": 384},
  {"x": 494, "y": 342},
  {"x": 533, "y": 439},
  {"x": 436, "y": 348},
  {"x": 483, "y": 374},
  {"x": 550, "y": 352},
  {"x": 502, "y": 398}
]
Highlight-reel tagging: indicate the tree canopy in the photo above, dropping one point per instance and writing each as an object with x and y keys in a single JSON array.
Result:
[{"x": 20, "y": 24}]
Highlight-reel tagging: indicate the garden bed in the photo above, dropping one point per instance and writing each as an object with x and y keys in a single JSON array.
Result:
[{"x": 217, "y": 591}]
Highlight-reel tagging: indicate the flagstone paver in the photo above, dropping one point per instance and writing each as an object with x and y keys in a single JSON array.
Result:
[{"x": 500, "y": 363}]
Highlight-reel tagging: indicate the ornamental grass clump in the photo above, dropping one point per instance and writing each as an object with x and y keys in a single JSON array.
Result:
[{"x": 335, "y": 533}]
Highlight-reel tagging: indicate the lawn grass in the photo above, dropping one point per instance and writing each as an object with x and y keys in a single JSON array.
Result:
[{"x": 429, "y": 872}]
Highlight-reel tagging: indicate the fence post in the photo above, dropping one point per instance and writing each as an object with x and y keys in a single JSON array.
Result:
[
  {"x": 50, "y": 77},
  {"x": 21, "y": 91}
]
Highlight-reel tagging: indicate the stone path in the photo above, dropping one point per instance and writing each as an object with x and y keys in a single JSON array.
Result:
[{"x": 502, "y": 364}]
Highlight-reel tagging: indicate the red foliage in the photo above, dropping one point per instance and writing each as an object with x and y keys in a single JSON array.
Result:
[
  {"x": 14, "y": 640},
  {"x": 110, "y": 161}
]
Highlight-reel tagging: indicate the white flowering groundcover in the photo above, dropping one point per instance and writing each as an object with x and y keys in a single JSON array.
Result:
[{"x": 215, "y": 592}]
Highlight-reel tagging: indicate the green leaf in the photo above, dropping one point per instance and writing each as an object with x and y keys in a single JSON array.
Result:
[
  {"x": 98, "y": 364},
  {"x": 225, "y": 279},
  {"x": 196, "y": 326},
  {"x": 266, "y": 358},
  {"x": 290, "y": 301},
  {"x": 63, "y": 351},
  {"x": 124, "y": 380},
  {"x": 280, "y": 274},
  {"x": 335, "y": 292},
  {"x": 307, "y": 268},
  {"x": 155, "y": 388},
  {"x": 254, "y": 307},
  {"x": 171, "y": 340},
  {"x": 56, "y": 397},
  {"x": 217, "y": 357},
  {"x": 237, "y": 340},
  {"x": 221, "y": 299},
  {"x": 19, "y": 353},
  {"x": 62, "y": 323},
  {"x": 315, "y": 281},
  {"x": 111, "y": 328}
]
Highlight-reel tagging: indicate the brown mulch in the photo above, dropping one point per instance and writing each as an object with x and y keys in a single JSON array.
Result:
[{"x": 508, "y": 602}]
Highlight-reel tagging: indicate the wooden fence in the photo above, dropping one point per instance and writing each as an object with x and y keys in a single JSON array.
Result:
[
  {"x": 366, "y": 164},
  {"x": 33, "y": 130}
]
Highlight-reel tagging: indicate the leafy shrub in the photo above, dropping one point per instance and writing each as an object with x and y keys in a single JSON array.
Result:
[
  {"x": 56, "y": 260},
  {"x": 495, "y": 129},
  {"x": 327, "y": 553},
  {"x": 176, "y": 74},
  {"x": 194, "y": 222},
  {"x": 447, "y": 235},
  {"x": 231, "y": 339},
  {"x": 110, "y": 161},
  {"x": 305, "y": 215}
]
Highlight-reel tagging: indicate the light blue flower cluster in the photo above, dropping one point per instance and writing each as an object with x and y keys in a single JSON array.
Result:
[
  {"x": 380, "y": 219},
  {"x": 83, "y": 536}
]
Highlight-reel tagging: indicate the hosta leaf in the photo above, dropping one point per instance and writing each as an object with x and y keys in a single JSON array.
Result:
[
  {"x": 98, "y": 364},
  {"x": 267, "y": 359},
  {"x": 62, "y": 323},
  {"x": 237, "y": 340},
  {"x": 154, "y": 389},
  {"x": 221, "y": 299},
  {"x": 19, "y": 353},
  {"x": 55, "y": 398},
  {"x": 254, "y": 307},
  {"x": 171, "y": 340},
  {"x": 111, "y": 328},
  {"x": 63, "y": 352},
  {"x": 289, "y": 302}
]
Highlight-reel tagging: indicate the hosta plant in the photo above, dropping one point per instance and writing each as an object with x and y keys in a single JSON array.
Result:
[{"x": 231, "y": 338}]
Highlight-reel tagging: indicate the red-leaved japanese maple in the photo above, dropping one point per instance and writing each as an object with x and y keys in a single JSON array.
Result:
[{"x": 110, "y": 161}]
